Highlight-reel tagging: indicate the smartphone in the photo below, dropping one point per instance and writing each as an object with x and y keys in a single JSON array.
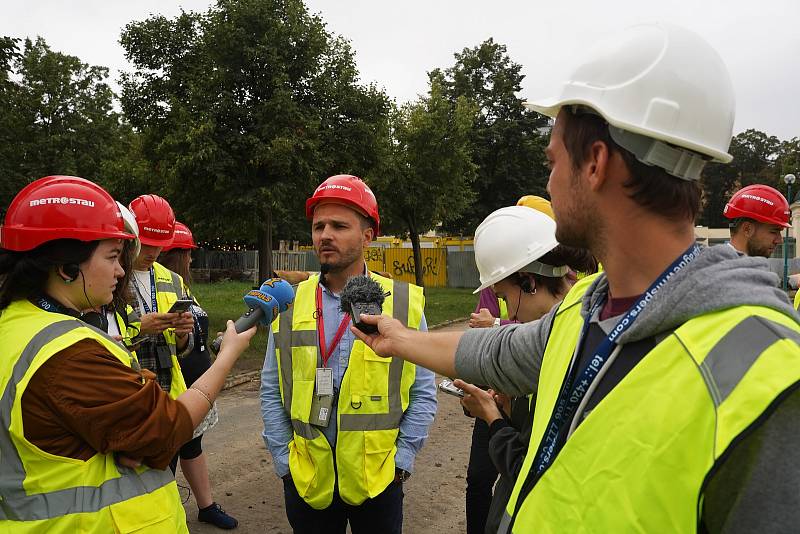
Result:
[
  {"x": 181, "y": 306},
  {"x": 447, "y": 386},
  {"x": 134, "y": 343}
]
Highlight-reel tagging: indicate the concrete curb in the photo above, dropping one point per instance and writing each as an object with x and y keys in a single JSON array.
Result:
[
  {"x": 242, "y": 378},
  {"x": 447, "y": 323}
]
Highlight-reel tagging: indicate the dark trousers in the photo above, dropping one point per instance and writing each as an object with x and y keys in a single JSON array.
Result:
[
  {"x": 383, "y": 514},
  {"x": 481, "y": 475}
]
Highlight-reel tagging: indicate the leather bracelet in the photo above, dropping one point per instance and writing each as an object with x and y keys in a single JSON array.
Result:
[{"x": 201, "y": 392}]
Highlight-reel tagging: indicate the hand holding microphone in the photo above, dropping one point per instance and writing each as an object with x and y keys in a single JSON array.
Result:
[{"x": 265, "y": 303}]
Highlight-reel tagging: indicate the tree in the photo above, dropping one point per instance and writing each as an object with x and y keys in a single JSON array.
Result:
[
  {"x": 427, "y": 176},
  {"x": 244, "y": 110},
  {"x": 754, "y": 162},
  {"x": 57, "y": 116},
  {"x": 507, "y": 141}
]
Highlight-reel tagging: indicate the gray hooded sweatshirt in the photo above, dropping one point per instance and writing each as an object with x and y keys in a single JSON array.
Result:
[{"x": 757, "y": 487}]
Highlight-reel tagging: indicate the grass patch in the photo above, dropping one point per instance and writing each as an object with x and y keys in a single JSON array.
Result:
[
  {"x": 223, "y": 300},
  {"x": 447, "y": 303}
]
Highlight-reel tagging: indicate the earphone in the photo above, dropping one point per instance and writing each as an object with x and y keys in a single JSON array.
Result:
[
  {"x": 72, "y": 271},
  {"x": 526, "y": 284}
]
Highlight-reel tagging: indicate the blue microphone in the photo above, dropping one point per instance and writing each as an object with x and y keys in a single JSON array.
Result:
[{"x": 264, "y": 304}]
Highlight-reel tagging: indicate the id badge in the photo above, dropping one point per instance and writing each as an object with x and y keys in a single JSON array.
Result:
[
  {"x": 324, "y": 383},
  {"x": 321, "y": 406}
]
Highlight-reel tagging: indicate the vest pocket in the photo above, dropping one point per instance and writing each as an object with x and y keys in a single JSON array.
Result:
[
  {"x": 379, "y": 451},
  {"x": 376, "y": 375},
  {"x": 151, "y": 512}
]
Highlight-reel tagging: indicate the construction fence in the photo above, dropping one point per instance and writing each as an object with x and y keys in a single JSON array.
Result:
[{"x": 441, "y": 267}]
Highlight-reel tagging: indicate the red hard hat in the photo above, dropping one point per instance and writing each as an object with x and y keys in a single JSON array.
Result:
[
  {"x": 61, "y": 207},
  {"x": 350, "y": 191},
  {"x": 183, "y": 238},
  {"x": 761, "y": 203},
  {"x": 156, "y": 220}
]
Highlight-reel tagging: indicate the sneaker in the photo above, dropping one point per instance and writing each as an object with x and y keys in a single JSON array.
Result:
[{"x": 215, "y": 515}]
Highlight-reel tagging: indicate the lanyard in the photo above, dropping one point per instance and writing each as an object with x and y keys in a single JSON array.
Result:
[
  {"x": 572, "y": 393},
  {"x": 152, "y": 293},
  {"x": 93, "y": 318},
  {"x": 326, "y": 352}
]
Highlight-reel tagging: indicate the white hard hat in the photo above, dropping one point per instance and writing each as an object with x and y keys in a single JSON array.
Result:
[
  {"x": 651, "y": 83},
  {"x": 131, "y": 227},
  {"x": 510, "y": 240}
]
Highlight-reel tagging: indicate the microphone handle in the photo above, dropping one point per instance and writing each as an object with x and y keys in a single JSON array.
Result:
[{"x": 248, "y": 319}]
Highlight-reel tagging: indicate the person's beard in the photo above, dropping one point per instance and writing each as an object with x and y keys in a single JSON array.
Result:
[
  {"x": 578, "y": 224},
  {"x": 755, "y": 250},
  {"x": 347, "y": 258}
]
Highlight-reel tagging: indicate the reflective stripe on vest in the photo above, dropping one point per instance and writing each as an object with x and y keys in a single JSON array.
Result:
[
  {"x": 683, "y": 405},
  {"x": 373, "y": 417},
  {"x": 15, "y": 503}
]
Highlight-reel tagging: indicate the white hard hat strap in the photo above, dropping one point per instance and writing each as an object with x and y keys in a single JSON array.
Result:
[{"x": 678, "y": 162}]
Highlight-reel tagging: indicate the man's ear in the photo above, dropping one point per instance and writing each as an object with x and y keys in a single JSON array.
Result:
[
  {"x": 369, "y": 235},
  {"x": 597, "y": 165}
]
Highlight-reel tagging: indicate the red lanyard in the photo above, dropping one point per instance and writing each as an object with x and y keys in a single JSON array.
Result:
[{"x": 326, "y": 353}]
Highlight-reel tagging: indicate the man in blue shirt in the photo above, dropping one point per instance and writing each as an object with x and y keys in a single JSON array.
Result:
[{"x": 323, "y": 491}]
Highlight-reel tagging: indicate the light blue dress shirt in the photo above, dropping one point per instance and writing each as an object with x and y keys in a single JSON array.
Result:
[{"x": 277, "y": 424}]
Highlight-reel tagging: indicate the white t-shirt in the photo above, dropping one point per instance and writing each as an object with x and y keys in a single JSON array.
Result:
[{"x": 142, "y": 290}]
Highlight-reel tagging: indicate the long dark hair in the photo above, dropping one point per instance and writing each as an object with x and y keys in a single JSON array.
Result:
[
  {"x": 177, "y": 261},
  {"x": 23, "y": 275},
  {"x": 122, "y": 293}
]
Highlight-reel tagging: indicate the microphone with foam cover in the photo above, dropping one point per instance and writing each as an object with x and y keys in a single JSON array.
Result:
[{"x": 362, "y": 294}]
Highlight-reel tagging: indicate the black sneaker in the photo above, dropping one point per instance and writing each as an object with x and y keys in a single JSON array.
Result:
[{"x": 215, "y": 515}]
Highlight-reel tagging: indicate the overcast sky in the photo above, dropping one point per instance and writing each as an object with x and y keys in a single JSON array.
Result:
[{"x": 398, "y": 42}]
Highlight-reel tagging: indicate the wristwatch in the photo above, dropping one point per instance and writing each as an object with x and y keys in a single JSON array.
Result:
[
  {"x": 496, "y": 321},
  {"x": 401, "y": 475}
]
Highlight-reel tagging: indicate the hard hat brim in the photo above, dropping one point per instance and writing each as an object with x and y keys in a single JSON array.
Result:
[{"x": 551, "y": 106}]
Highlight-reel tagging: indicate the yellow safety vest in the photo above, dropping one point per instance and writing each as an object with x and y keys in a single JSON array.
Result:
[
  {"x": 42, "y": 492},
  {"x": 169, "y": 288},
  {"x": 639, "y": 460},
  {"x": 129, "y": 325},
  {"x": 797, "y": 300},
  {"x": 373, "y": 396},
  {"x": 503, "y": 308}
]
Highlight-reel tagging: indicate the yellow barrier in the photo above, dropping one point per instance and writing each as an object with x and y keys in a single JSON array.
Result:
[{"x": 399, "y": 263}]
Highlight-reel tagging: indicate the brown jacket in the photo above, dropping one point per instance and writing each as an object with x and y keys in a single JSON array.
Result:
[{"x": 83, "y": 401}]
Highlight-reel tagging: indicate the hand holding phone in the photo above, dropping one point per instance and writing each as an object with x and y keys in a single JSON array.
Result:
[
  {"x": 181, "y": 306},
  {"x": 447, "y": 386}
]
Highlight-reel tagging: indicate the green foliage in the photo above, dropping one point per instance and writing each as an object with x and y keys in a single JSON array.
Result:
[
  {"x": 56, "y": 116},
  {"x": 245, "y": 109},
  {"x": 507, "y": 141},
  {"x": 428, "y": 171}
]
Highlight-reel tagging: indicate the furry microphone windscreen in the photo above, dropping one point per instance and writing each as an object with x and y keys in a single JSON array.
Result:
[
  {"x": 361, "y": 290},
  {"x": 362, "y": 294}
]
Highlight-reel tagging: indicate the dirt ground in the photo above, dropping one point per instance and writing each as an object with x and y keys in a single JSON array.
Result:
[{"x": 246, "y": 486}]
